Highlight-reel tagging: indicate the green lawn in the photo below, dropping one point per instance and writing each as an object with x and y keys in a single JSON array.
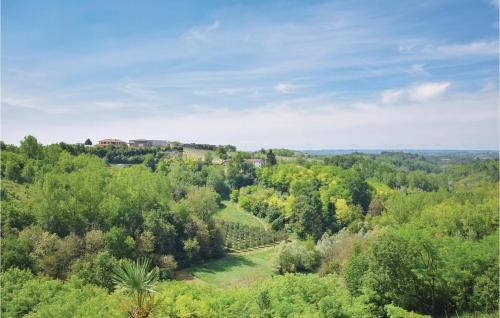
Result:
[
  {"x": 231, "y": 213},
  {"x": 236, "y": 270}
]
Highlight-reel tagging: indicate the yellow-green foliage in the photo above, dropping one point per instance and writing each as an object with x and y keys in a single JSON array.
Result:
[
  {"x": 380, "y": 189},
  {"x": 396, "y": 312},
  {"x": 25, "y": 295},
  {"x": 429, "y": 243},
  {"x": 14, "y": 190},
  {"x": 281, "y": 296}
]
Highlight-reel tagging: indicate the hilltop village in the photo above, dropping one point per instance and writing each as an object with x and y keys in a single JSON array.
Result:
[{"x": 220, "y": 154}]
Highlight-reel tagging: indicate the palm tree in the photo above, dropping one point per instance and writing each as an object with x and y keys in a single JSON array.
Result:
[{"x": 138, "y": 280}]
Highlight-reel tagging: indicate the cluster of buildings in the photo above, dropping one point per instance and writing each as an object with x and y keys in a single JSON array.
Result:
[
  {"x": 144, "y": 143},
  {"x": 140, "y": 143}
]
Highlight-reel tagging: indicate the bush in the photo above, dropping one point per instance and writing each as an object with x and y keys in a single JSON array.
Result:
[
  {"x": 167, "y": 266},
  {"x": 396, "y": 312},
  {"x": 191, "y": 248},
  {"x": 96, "y": 271},
  {"x": 293, "y": 258},
  {"x": 119, "y": 243}
]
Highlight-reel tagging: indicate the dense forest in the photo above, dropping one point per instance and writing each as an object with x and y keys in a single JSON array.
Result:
[{"x": 360, "y": 235}]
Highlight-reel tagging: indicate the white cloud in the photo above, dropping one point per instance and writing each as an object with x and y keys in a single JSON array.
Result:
[
  {"x": 284, "y": 88},
  {"x": 416, "y": 93},
  {"x": 39, "y": 105},
  {"x": 454, "y": 50},
  {"x": 428, "y": 91},
  {"x": 135, "y": 90},
  {"x": 464, "y": 120},
  {"x": 391, "y": 96},
  {"x": 418, "y": 69},
  {"x": 473, "y": 48},
  {"x": 224, "y": 91},
  {"x": 23, "y": 102},
  {"x": 200, "y": 32},
  {"x": 111, "y": 105}
]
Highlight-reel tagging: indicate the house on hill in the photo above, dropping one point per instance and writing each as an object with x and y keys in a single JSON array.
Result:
[
  {"x": 148, "y": 143},
  {"x": 140, "y": 143},
  {"x": 162, "y": 143},
  {"x": 110, "y": 141}
]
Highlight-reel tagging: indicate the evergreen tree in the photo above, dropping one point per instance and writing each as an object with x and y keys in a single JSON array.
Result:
[{"x": 271, "y": 158}]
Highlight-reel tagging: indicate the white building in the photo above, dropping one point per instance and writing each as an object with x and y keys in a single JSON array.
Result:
[
  {"x": 257, "y": 163},
  {"x": 148, "y": 143}
]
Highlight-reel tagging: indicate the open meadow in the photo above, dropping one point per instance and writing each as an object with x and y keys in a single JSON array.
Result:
[
  {"x": 234, "y": 270},
  {"x": 237, "y": 269}
]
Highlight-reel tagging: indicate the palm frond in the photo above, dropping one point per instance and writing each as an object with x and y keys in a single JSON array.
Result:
[{"x": 136, "y": 278}]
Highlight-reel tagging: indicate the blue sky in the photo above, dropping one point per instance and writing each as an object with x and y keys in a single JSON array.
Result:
[{"x": 296, "y": 74}]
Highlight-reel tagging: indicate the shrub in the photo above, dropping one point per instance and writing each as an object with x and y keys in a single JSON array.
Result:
[
  {"x": 293, "y": 257},
  {"x": 167, "y": 266}
]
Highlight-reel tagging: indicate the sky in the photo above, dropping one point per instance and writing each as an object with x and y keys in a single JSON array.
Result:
[{"x": 419, "y": 74}]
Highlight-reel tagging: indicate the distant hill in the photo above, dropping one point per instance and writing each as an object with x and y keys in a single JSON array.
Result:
[{"x": 481, "y": 154}]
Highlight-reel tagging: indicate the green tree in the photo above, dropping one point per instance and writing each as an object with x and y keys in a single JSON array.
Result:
[
  {"x": 293, "y": 258},
  {"x": 146, "y": 243},
  {"x": 94, "y": 241},
  {"x": 140, "y": 281},
  {"x": 191, "y": 248},
  {"x": 119, "y": 243},
  {"x": 208, "y": 158},
  {"x": 221, "y": 152},
  {"x": 167, "y": 266},
  {"x": 29, "y": 171},
  {"x": 31, "y": 148},
  {"x": 21, "y": 293},
  {"x": 203, "y": 202},
  {"x": 97, "y": 270},
  {"x": 16, "y": 253},
  {"x": 240, "y": 173},
  {"x": 150, "y": 162},
  {"x": 359, "y": 189},
  {"x": 70, "y": 198},
  {"x": 264, "y": 303},
  {"x": 162, "y": 225},
  {"x": 12, "y": 166},
  {"x": 270, "y": 158},
  {"x": 217, "y": 181},
  {"x": 376, "y": 207}
]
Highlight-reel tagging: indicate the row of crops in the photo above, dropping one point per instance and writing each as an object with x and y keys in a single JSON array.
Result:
[{"x": 239, "y": 236}]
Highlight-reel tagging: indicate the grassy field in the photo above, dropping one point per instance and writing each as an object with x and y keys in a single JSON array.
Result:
[
  {"x": 236, "y": 270},
  {"x": 232, "y": 213},
  {"x": 196, "y": 154}
]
